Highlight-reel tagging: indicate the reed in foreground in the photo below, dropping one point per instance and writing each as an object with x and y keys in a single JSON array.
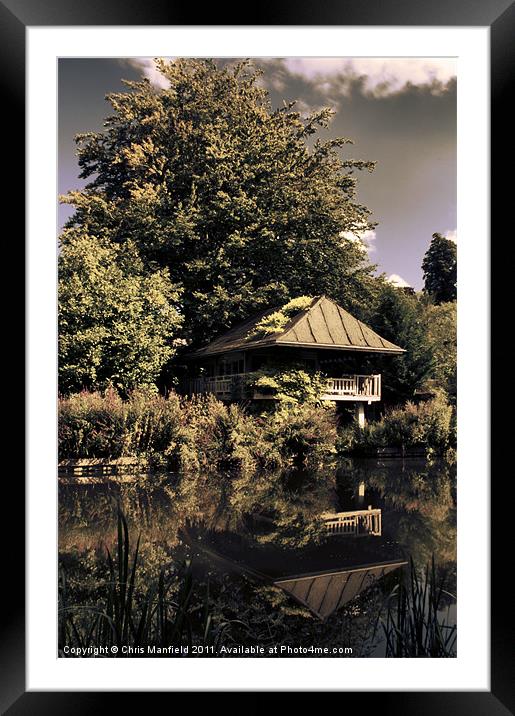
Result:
[
  {"x": 414, "y": 625},
  {"x": 126, "y": 622}
]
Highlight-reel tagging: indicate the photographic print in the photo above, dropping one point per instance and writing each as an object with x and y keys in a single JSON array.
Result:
[{"x": 257, "y": 413}]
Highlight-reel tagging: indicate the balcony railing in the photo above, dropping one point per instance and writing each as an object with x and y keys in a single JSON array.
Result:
[
  {"x": 354, "y": 387},
  {"x": 358, "y": 523},
  {"x": 348, "y": 387}
]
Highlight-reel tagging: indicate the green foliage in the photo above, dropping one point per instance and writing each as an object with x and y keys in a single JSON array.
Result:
[
  {"x": 287, "y": 385},
  {"x": 117, "y": 321},
  {"x": 222, "y": 438},
  {"x": 440, "y": 269},
  {"x": 440, "y": 323},
  {"x": 399, "y": 317},
  {"x": 428, "y": 425},
  {"x": 241, "y": 202},
  {"x": 275, "y": 322},
  {"x": 304, "y": 433},
  {"x": 192, "y": 436},
  {"x": 92, "y": 425},
  {"x": 105, "y": 426}
]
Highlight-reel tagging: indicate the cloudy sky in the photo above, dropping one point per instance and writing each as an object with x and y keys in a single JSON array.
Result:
[{"x": 399, "y": 112}]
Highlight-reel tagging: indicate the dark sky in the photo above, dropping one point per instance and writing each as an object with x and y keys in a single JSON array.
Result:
[{"x": 400, "y": 113}]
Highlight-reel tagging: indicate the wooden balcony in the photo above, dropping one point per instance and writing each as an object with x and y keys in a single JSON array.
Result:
[
  {"x": 354, "y": 387},
  {"x": 349, "y": 387},
  {"x": 221, "y": 386},
  {"x": 356, "y": 524}
]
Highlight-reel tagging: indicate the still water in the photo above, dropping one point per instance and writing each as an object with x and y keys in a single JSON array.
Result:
[{"x": 242, "y": 536}]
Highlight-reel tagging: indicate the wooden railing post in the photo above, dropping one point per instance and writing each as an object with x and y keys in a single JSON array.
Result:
[{"x": 360, "y": 522}]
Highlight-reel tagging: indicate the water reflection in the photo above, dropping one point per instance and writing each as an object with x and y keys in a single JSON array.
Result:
[
  {"x": 269, "y": 525},
  {"x": 418, "y": 500}
]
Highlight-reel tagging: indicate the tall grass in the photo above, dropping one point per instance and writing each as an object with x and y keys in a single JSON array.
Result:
[
  {"x": 414, "y": 625},
  {"x": 161, "y": 616}
]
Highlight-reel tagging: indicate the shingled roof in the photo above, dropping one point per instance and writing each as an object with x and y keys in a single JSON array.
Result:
[
  {"x": 324, "y": 592},
  {"x": 323, "y": 324}
]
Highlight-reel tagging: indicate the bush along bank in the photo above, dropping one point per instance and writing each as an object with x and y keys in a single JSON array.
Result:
[
  {"x": 200, "y": 433},
  {"x": 428, "y": 427},
  {"x": 195, "y": 434}
]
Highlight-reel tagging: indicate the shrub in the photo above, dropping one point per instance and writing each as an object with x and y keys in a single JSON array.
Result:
[
  {"x": 428, "y": 424},
  {"x": 292, "y": 385},
  {"x": 92, "y": 425},
  {"x": 195, "y": 434},
  {"x": 303, "y": 434},
  {"x": 156, "y": 428},
  {"x": 220, "y": 437},
  {"x": 103, "y": 425}
]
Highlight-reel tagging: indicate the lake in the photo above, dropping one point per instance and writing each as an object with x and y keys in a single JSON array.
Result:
[{"x": 241, "y": 538}]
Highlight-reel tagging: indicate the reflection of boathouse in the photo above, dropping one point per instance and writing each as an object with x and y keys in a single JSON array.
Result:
[
  {"x": 324, "y": 592},
  {"x": 322, "y": 577},
  {"x": 319, "y": 337}
]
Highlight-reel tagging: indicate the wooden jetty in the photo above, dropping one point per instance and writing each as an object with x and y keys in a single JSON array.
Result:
[{"x": 92, "y": 470}]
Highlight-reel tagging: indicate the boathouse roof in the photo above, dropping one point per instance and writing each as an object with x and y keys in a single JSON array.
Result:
[
  {"x": 325, "y": 591},
  {"x": 321, "y": 324}
]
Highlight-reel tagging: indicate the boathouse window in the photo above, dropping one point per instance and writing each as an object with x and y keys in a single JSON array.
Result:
[{"x": 233, "y": 367}]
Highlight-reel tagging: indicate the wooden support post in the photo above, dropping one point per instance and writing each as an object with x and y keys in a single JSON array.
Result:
[
  {"x": 360, "y": 414},
  {"x": 361, "y": 493}
]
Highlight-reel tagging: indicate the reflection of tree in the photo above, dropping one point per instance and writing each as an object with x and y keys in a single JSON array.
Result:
[
  {"x": 287, "y": 504},
  {"x": 281, "y": 506},
  {"x": 422, "y": 537},
  {"x": 274, "y": 510},
  {"x": 87, "y": 513},
  {"x": 419, "y": 502},
  {"x": 294, "y": 506}
]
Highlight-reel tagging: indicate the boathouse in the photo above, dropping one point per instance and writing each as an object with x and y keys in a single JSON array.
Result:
[{"x": 317, "y": 334}]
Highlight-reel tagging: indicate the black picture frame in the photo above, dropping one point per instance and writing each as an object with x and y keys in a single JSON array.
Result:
[{"x": 499, "y": 15}]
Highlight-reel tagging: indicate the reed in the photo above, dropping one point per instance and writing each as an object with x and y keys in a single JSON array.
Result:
[
  {"x": 414, "y": 625},
  {"x": 161, "y": 616}
]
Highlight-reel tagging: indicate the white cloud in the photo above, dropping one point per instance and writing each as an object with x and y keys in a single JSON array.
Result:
[
  {"x": 333, "y": 76},
  {"x": 365, "y": 238},
  {"x": 380, "y": 76},
  {"x": 452, "y": 235},
  {"x": 398, "y": 281},
  {"x": 147, "y": 67}
]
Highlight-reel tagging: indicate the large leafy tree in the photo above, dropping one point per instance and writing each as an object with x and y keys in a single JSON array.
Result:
[
  {"x": 240, "y": 202},
  {"x": 440, "y": 269},
  {"x": 399, "y": 317},
  {"x": 117, "y": 322},
  {"x": 441, "y": 325}
]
